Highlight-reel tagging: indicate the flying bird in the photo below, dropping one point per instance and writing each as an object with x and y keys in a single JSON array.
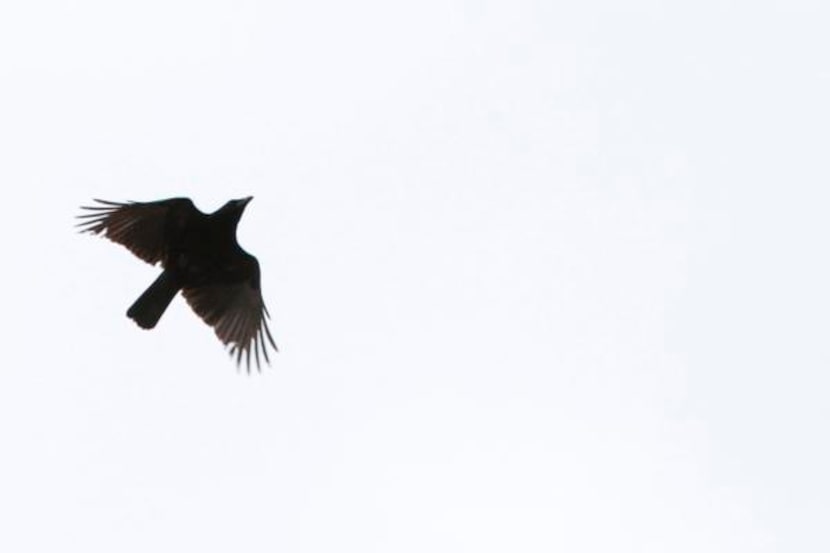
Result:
[{"x": 200, "y": 257}]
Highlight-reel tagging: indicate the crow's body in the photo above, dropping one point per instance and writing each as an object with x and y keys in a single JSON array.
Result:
[{"x": 201, "y": 257}]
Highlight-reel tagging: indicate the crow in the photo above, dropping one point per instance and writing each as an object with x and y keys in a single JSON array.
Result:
[{"x": 200, "y": 257}]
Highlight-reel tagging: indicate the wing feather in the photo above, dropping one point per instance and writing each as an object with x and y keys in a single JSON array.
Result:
[
  {"x": 238, "y": 316},
  {"x": 139, "y": 226}
]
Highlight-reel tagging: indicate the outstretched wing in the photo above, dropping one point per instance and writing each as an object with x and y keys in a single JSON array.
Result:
[
  {"x": 237, "y": 314},
  {"x": 140, "y": 226}
]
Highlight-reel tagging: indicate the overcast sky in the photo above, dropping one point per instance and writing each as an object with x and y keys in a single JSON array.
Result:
[{"x": 544, "y": 276}]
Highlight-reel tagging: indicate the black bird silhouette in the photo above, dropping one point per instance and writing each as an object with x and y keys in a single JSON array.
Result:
[{"x": 201, "y": 257}]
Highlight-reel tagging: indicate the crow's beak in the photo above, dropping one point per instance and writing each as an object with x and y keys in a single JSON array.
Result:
[{"x": 246, "y": 201}]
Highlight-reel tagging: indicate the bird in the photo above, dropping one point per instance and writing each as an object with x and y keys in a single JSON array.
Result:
[{"x": 200, "y": 257}]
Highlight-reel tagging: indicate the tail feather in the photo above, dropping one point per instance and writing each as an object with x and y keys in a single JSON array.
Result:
[{"x": 149, "y": 307}]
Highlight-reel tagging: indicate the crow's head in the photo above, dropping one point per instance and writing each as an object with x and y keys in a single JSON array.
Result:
[{"x": 232, "y": 211}]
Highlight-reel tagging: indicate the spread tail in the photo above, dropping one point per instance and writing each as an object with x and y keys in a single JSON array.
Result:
[{"x": 148, "y": 308}]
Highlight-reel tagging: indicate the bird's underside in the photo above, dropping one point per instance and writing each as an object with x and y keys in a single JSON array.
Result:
[{"x": 201, "y": 258}]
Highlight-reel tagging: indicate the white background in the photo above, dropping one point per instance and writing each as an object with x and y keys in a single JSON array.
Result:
[{"x": 545, "y": 277}]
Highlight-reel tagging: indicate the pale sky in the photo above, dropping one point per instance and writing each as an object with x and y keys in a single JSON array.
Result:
[{"x": 544, "y": 276}]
